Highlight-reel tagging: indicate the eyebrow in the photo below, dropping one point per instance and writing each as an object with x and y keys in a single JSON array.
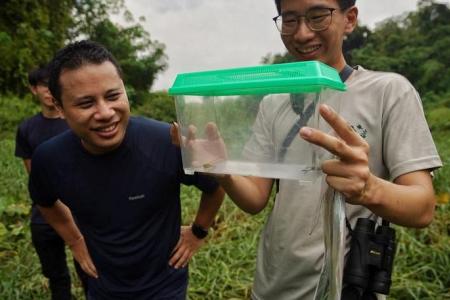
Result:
[
  {"x": 114, "y": 90},
  {"x": 86, "y": 97}
]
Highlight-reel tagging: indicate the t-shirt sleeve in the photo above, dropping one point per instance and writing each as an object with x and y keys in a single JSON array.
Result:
[
  {"x": 41, "y": 185},
  {"x": 407, "y": 142},
  {"x": 203, "y": 182},
  {"x": 23, "y": 148}
]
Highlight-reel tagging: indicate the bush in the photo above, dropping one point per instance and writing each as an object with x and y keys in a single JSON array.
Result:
[
  {"x": 159, "y": 106},
  {"x": 13, "y": 111}
]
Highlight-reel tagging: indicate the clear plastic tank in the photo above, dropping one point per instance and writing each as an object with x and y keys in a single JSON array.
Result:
[{"x": 246, "y": 121}]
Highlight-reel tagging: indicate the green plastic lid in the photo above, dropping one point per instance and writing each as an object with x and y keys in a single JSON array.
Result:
[{"x": 298, "y": 77}]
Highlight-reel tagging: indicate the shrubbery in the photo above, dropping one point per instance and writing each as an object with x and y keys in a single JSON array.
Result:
[{"x": 12, "y": 111}]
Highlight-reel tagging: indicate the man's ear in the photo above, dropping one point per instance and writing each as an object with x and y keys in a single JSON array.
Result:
[
  {"x": 351, "y": 19},
  {"x": 33, "y": 89},
  {"x": 59, "y": 108}
]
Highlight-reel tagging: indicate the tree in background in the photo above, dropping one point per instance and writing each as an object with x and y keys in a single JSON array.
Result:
[
  {"x": 416, "y": 45},
  {"x": 140, "y": 58},
  {"x": 31, "y": 31}
]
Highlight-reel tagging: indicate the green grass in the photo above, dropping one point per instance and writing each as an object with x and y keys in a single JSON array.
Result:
[
  {"x": 224, "y": 267},
  {"x": 422, "y": 261}
]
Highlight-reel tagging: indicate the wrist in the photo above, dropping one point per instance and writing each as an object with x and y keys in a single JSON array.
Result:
[
  {"x": 370, "y": 195},
  {"x": 198, "y": 231},
  {"x": 74, "y": 242}
]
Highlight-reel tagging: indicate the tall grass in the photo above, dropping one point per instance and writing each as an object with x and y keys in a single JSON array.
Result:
[{"x": 224, "y": 267}]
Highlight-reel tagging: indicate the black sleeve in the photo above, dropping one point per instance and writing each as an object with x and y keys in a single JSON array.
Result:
[
  {"x": 203, "y": 182},
  {"x": 41, "y": 184},
  {"x": 23, "y": 148}
]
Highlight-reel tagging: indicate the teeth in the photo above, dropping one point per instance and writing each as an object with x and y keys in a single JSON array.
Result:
[
  {"x": 308, "y": 49},
  {"x": 106, "y": 129}
]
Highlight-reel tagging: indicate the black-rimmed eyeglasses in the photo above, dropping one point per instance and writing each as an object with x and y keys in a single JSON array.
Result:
[{"x": 317, "y": 19}]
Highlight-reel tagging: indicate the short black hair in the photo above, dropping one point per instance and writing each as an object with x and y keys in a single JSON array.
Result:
[
  {"x": 38, "y": 76},
  {"x": 343, "y": 4},
  {"x": 74, "y": 56}
]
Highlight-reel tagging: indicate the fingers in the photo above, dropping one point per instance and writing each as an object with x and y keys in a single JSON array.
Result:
[
  {"x": 187, "y": 246},
  {"x": 176, "y": 246},
  {"x": 352, "y": 189},
  {"x": 349, "y": 179},
  {"x": 181, "y": 258},
  {"x": 192, "y": 130},
  {"x": 334, "y": 167},
  {"x": 211, "y": 131},
  {"x": 89, "y": 268},
  {"x": 82, "y": 256},
  {"x": 86, "y": 263},
  {"x": 348, "y": 146},
  {"x": 328, "y": 142},
  {"x": 176, "y": 252},
  {"x": 174, "y": 133},
  {"x": 340, "y": 125}
]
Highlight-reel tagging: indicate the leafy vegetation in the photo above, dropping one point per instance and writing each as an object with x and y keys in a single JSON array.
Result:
[
  {"x": 32, "y": 31},
  {"x": 416, "y": 46}
]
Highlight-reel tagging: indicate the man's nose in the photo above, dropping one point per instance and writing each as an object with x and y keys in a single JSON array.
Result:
[
  {"x": 303, "y": 33},
  {"x": 104, "y": 110}
]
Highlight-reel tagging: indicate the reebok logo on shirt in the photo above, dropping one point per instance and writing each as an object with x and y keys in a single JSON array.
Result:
[{"x": 137, "y": 197}]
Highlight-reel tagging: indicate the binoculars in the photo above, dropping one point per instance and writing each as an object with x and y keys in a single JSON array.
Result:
[{"x": 369, "y": 265}]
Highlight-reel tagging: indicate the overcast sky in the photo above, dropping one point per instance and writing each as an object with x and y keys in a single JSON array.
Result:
[{"x": 211, "y": 34}]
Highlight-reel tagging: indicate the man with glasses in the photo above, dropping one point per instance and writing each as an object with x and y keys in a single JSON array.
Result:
[{"x": 384, "y": 151}]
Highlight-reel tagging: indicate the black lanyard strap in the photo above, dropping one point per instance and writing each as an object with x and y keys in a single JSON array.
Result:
[
  {"x": 345, "y": 73},
  {"x": 297, "y": 103}
]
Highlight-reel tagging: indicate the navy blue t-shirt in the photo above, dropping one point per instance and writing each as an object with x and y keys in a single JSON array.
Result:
[
  {"x": 126, "y": 203},
  {"x": 31, "y": 133}
]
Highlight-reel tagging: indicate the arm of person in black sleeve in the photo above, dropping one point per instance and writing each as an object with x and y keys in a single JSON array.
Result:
[
  {"x": 60, "y": 218},
  {"x": 23, "y": 148},
  {"x": 57, "y": 215},
  {"x": 210, "y": 202}
]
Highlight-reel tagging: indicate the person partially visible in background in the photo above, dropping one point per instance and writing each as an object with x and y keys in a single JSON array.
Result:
[{"x": 32, "y": 132}]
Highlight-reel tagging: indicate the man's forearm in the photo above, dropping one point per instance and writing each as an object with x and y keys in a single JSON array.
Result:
[
  {"x": 209, "y": 206},
  {"x": 251, "y": 194},
  {"x": 60, "y": 218},
  {"x": 408, "y": 202}
]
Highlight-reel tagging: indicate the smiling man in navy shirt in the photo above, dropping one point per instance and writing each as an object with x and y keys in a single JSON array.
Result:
[{"x": 120, "y": 177}]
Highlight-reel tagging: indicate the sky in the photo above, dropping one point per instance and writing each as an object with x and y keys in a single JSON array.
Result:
[{"x": 204, "y": 35}]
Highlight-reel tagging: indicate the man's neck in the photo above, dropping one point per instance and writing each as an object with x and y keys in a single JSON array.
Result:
[
  {"x": 50, "y": 112},
  {"x": 341, "y": 65}
]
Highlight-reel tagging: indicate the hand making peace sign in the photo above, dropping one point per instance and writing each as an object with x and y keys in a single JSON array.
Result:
[{"x": 349, "y": 173}]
